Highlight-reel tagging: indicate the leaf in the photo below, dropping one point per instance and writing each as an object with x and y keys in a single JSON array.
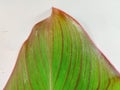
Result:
[{"x": 59, "y": 55}]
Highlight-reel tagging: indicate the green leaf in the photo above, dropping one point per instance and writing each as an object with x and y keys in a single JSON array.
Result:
[{"x": 59, "y": 55}]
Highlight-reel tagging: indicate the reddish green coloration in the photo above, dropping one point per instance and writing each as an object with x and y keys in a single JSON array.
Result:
[{"x": 59, "y": 55}]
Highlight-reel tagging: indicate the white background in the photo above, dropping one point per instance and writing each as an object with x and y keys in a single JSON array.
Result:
[{"x": 100, "y": 18}]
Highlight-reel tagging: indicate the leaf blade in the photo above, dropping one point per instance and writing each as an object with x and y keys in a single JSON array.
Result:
[{"x": 59, "y": 55}]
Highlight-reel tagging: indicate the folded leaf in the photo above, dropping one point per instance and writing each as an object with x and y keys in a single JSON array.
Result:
[{"x": 59, "y": 55}]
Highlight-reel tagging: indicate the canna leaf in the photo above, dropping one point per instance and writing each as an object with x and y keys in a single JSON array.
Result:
[{"x": 59, "y": 55}]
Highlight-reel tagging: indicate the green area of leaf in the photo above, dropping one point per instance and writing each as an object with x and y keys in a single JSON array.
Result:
[{"x": 59, "y": 55}]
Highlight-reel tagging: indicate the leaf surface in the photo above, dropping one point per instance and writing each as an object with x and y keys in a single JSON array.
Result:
[{"x": 59, "y": 55}]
